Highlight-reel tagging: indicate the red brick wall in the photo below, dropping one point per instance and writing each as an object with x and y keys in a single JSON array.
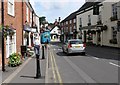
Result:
[
  {"x": 16, "y": 21},
  {"x": 24, "y": 12}
]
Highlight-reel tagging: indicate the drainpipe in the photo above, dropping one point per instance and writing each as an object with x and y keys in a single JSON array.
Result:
[
  {"x": 22, "y": 23},
  {"x": 2, "y": 15}
]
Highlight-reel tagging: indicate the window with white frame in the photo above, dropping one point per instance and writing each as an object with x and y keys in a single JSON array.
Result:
[
  {"x": 81, "y": 21},
  {"x": 70, "y": 21},
  {"x": 114, "y": 10},
  {"x": 89, "y": 19},
  {"x": 11, "y": 7},
  {"x": 74, "y": 27},
  {"x": 74, "y": 20},
  {"x": 27, "y": 12},
  {"x": 66, "y": 22},
  {"x": 114, "y": 33},
  {"x": 30, "y": 18},
  {"x": 70, "y": 29}
]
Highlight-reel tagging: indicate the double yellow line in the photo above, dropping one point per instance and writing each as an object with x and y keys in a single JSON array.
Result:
[{"x": 56, "y": 74}]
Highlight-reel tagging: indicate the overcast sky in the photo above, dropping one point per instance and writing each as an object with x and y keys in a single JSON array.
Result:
[{"x": 52, "y": 9}]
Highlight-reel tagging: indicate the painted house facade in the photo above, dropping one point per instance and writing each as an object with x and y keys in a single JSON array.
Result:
[
  {"x": 55, "y": 33},
  {"x": 102, "y": 28}
]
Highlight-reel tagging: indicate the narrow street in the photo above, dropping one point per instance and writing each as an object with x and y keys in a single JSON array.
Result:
[
  {"x": 77, "y": 68},
  {"x": 35, "y": 34},
  {"x": 59, "y": 68}
]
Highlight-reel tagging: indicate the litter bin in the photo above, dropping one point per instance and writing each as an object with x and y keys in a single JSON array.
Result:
[{"x": 23, "y": 50}]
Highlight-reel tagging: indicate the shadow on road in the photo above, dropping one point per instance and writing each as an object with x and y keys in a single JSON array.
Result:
[
  {"x": 28, "y": 76},
  {"x": 70, "y": 55},
  {"x": 42, "y": 77}
]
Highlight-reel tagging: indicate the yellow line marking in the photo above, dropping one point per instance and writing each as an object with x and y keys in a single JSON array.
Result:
[
  {"x": 58, "y": 74},
  {"x": 55, "y": 81}
]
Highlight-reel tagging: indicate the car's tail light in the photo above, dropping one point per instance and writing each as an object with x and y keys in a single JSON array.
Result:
[
  {"x": 84, "y": 45},
  {"x": 69, "y": 46}
]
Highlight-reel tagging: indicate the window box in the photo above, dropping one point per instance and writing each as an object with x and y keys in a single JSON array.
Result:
[
  {"x": 113, "y": 18},
  {"x": 104, "y": 27},
  {"x": 89, "y": 31},
  {"x": 80, "y": 25},
  {"x": 113, "y": 41},
  {"x": 89, "y": 24},
  {"x": 93, "y": 32},
  {"x": 118, "y": 23},
  {"x": 8, "y": 32},
  {"x": 98, "y": 31},
  {"x": 99, "y": 22}
]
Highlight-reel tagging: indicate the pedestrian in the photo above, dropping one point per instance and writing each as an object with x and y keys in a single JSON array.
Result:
[{"x": 37, "y": 46}]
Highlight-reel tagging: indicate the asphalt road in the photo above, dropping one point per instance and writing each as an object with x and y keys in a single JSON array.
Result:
[{"x": 77, "y": 68}]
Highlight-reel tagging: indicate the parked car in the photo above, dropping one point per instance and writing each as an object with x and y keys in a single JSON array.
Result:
[{"x": 74, "y": 46}]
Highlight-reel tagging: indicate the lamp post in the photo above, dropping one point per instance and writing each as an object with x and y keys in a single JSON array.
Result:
[{"x": 3, "y": 61}]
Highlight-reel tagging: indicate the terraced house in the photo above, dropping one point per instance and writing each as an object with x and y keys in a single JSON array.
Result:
[
  {"x": 68, "y": 27},
  {"x": 17, "y": 15},
  {"x": 99, "y": 22},
  {"x": 0, "y": 36}
]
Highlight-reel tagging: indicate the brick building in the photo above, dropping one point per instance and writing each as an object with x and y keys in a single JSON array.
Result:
[
  {"x": 68, "y": 27},
  {"x": 0, "y": 35},
  {"x": 16, "y": 15}
]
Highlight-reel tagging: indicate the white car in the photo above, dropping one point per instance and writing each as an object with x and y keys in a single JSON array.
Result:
[{"x": 74, "y": 46}]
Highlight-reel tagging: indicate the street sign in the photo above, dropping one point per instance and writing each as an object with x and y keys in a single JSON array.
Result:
[{"x": 45, "y": 37}]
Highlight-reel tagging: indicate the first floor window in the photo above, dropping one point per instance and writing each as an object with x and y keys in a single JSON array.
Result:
[
  {"x": 114, "y": 33},
  {"x": 11, "y": 7}
]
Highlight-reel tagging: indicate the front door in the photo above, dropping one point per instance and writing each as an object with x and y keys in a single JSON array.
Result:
[{"x": 10, "y": 45}]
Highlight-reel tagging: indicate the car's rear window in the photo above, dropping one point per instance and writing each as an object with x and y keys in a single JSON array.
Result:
[{"x": 76, "y": 42}]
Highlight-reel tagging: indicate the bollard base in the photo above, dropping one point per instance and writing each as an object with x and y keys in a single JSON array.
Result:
[{"x": 37, "y": 77}]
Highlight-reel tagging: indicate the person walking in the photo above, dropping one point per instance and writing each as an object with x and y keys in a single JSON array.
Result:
[{"x": 37, "y": 46}]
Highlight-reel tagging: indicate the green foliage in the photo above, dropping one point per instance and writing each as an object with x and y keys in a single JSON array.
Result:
[{"x": 14, "y": 60}]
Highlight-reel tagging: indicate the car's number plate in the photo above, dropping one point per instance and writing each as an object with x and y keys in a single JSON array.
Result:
[{"x": 77, "y": 46}]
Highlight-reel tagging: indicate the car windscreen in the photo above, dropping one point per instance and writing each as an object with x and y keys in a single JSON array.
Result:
[{"x": 76, "y": 42}]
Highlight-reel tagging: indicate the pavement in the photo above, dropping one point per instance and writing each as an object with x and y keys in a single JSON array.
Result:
[{"x": 25, "y": 73}]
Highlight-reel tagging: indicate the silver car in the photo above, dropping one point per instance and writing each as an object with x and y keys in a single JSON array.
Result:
[{"x": 74, "y": 46}]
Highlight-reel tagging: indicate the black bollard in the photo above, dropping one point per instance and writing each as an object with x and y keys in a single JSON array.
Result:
[
  {"x": 38, "y": 73},
  {"x": 43, "y": 56}
]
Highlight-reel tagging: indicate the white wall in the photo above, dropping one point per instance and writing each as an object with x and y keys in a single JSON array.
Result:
[
  {"x": 106, "y": 13},
  {"x": 37, "y": 23},
  {"x": 84, "y": 17},
  {"x": 55, "y": 29}
]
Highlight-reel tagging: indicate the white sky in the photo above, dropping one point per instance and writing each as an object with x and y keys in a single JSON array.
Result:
[{"x": 52, "y": 9}]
